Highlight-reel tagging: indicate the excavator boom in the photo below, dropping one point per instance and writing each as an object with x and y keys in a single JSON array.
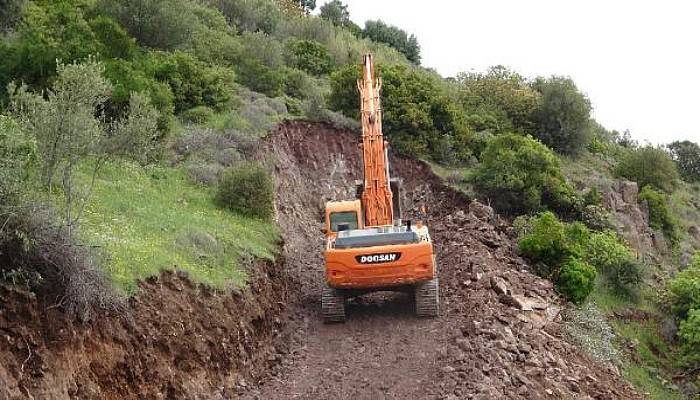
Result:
[{"x": 376, "y": 196}]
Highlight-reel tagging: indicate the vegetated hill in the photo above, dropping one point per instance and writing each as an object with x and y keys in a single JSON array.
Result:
[{"x": 150, "y": 114}]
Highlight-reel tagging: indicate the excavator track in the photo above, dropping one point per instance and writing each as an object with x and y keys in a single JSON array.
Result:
[
  {"x": 427, "y": 298},
  {"x": 332, "y": 305}
]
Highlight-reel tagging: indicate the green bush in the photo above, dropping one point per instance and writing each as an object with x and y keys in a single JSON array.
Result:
[
  {"x": 394, "y": 37},
  {"x": 251, "y": 16},
  {"x": 30, "y": 56},
  {"x": 521, "y": 175},
  {"x": 17, "y": 154},
  {"x": 686, "y": 154},
  {"x": 162, "y": 24},
  {"x": 247, "y": 190},
  {"x": 552, "y": 243},
  {"x": 562, "y": 120},
  {"x": 116, "y": 41},
  {"x": 649, "y": 166},
  {"x": 261, "y": 78},
  {"x": 660, "y": 216},
  {"x": 689, "y": 334},
  {"x": 614, "y": 261},
  {"x": 198, "y": 115},
  {"x": 684, "y": 289},
  {"x": 499, "y": 100},
  {"x": 310, "y": 56},
  {"x": 548, "y": 240},
  {"x": 576, "y": 280},
  {"x": 596, "y": 217},
  {"x": 192, "y": 82},
  {"x": 130, "y": 77}
]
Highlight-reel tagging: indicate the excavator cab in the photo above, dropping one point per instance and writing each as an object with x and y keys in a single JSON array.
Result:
[{"x": 368, "y": 247}]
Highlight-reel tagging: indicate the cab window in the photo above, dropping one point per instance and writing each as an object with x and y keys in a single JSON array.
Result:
[{"x": 347, "y": 217}]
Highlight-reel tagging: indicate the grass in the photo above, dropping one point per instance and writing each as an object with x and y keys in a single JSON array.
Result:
[
  {"x": 154, "y": 219},
  {"x": 651, "y": 357},
  {"x": 648, "y": 383}
]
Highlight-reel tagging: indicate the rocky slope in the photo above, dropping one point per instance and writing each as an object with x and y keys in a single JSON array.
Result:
[{"x": 498, "y": 335}]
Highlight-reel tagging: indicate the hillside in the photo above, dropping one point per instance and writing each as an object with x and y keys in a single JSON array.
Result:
[{"x": 163, "y": 168}]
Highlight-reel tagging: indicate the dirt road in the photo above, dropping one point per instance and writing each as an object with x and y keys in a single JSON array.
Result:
[{"x": 498, "y": 333}]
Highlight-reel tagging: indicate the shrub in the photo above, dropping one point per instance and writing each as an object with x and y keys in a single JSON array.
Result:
[
  {"x": 684, "y": 289},
  {"x": 247, "y": 190},
  {"x": 250, "y": 16},
  {"x": 198, "y": 115},
  {"x": 192, "y": 82},
  {"x": 17, "y": 154},
  {"x": 596, "y": 217},
  {"x": 660, "y": 216},
  {"x": 521, "y": 175},
  {"x": 115, "y": 40},
  {"x": 576, "y": 280},
  {"x": 686, "y": 154},
  {"x": 499, "y": 100},
  {"x": 310, "y": 56},
  {"x": 562, "y": 120},
  {"x": 162, "y": 24},
  {"x": 651, "y": 166},
  {"x": 397, "y": 38},
  {"x": 689, "y": 333},
  {"x": 129, "y": 77},
  {"x": 614, "y": 261},
  {"x": 548, "y": 240},
  {"x": 37, "y": 249},
  {"x": 30, "y": 57}
]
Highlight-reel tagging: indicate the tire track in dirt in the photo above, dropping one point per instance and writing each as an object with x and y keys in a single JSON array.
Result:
[{"x": 498, "y": 333}]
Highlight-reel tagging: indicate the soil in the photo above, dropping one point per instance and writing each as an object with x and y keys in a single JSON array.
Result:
[
  {"x": 498, "y": 335},
  {"x": 178, "y": 340}
]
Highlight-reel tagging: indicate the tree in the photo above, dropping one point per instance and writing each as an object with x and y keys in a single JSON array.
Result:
[
  {"x": 562, "y": 120},
  {"x": 649, "y": 165},
  {"x": 37, "y": 43},
  {"x": 686, "y": 154},
  {"x": 307, "y": 5},
  {"x": 501, "y": 95},
  {"x": 394, "y": 37},
  {"x": 420, "y": 117},
  {"x": 70, "y": 129},
  {"x": 520, "y": 175},
  {"x": 336, "y": 12},
  {"x": 310, "y": 56}
]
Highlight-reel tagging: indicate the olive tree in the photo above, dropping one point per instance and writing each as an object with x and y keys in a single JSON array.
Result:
[{"x": 70, "y": 129}]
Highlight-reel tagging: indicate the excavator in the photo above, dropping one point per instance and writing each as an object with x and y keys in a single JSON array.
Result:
[{"x": 368, "y": 246}]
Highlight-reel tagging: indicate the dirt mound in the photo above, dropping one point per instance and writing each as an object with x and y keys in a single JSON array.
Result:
[
  {"x": 498, "y": 334},
  {"x": 179, "y": 340}
]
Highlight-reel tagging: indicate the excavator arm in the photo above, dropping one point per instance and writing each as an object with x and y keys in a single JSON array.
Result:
[{"x": 376, "y": 196}]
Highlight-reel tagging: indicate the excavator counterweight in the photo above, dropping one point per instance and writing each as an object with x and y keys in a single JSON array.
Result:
[{"x": 368, "y": 248}]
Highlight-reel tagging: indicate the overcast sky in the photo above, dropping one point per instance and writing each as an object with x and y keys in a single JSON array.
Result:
[{"x": 638, "y": 61}]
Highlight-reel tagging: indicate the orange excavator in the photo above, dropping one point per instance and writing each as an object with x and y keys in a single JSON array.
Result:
[{"x": 368, "y": 247}]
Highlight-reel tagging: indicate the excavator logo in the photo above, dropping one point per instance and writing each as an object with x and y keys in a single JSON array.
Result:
[{"x": 378, "y": 258}]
